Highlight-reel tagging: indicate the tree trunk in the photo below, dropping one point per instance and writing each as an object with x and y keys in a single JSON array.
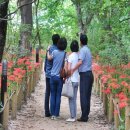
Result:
[
  {"x": 27, "y": 23},
  {"x": 80, "y": 21},
  {"x": 3, "y": 26}
]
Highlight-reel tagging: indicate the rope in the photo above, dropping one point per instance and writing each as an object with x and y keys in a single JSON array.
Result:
[
  {"x": 119, "y": 113},
  {"x": 7, "y": 102}
]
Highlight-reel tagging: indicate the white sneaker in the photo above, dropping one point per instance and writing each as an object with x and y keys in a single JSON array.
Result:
[
  {"x": 71, "y": 120},
  {"x": 52, "y": 117}
]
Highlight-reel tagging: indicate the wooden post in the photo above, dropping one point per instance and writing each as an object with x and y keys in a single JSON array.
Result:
[
  {"x": 101, "y": 89},
  {"x": 116, "y": 117},
  {"x": 5, "y": 112},
  {"x": 127, "y": 117},
  {"x": 97, "y": 85},
  {"x": 111, "y": 109},
  {"x": 95, "y": 82},
  {"x": 105, "y": 102},
  {"x": 14, "y": 105},
  {"x": 19, "y": 98},
  {"x": 32, "y": 82},
  {"x": 37, "y": 55},
  {"x": 4, "y": 96},
  {"x": 28, "y": 86}
]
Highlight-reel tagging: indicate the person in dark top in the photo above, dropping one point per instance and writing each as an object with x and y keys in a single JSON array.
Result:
[{"x": 47, "y": 69}]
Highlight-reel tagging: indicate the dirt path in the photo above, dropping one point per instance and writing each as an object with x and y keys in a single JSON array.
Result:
[{"x": 31, "y": 116}]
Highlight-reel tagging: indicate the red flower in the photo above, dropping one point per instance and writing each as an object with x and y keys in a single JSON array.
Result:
[
  {"x": 107, "y": 91},
  {"x": 11, "y": 77},
  {"x": 125, "y": 84},
  {"x": 123, "y": 76},
  {"x": 122, "y": 105}
]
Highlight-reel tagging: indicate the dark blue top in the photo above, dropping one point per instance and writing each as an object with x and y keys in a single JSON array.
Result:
[{"x": 48, "y": 64}]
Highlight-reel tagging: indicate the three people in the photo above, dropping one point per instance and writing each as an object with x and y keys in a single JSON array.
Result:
[{"x": 77, "y": 63}]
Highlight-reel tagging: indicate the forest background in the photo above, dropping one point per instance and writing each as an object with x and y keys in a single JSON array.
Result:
[{"x": 31, "y": 23}]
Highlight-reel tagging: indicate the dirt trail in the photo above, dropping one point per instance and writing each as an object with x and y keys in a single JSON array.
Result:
[{"x": 31, "y": 116}]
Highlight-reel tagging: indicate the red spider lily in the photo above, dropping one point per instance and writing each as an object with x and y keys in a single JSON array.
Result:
[
  {"x": 10, "y": 64},
  {"x": 36, "y": 65},
  {"x": 23, "y": 72},
  {"x": 27, "y": 63},
  {"x": 124, "y": 83},
  {"x": 105, "y": 78},
  {"x": 100, "y": 72},
  {"x": 114, "y": 85},
  {"x": 121, "y": 96},
  {"x": 18, "y": 71},
  {"x": 11, "y": 77},
  {"x": 126, "y": 66},
  {"x": 110, "y": 69},
  {"x": 0, "y": 82},
  {"x": 123, "y": 76},
  {"x": 96, "y": 67},
  {"x": 113, "y": 80},
  {"x": 107, "y": 91},
  {"x": 21, "y": 61},
  {"x": 30, "y": 68},
  {"x": 122, "y": 105}
]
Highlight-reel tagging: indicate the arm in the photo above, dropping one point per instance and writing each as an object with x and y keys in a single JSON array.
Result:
[
  {"x": 49, "y": 57},
  {"x": 76, "y": 66}
]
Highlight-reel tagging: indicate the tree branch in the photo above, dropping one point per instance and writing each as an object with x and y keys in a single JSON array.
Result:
[
  {"x": 124, "y": 20},
  {"x": 5, "y": 18}
]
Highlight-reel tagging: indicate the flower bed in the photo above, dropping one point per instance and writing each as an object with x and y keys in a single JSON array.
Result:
[
  {"x": 22, "y": 76},
  {"x": 113, "y": 85}
]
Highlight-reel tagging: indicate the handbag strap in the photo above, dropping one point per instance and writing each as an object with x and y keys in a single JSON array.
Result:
[{"x": 63, "y": 62}]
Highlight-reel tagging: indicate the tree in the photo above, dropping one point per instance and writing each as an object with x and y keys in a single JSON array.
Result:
[
  {"x": 26, "y": 23},
  {"x": 3, "y": 25}
]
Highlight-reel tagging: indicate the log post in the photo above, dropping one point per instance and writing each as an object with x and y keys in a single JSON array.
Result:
[
  {"x": 101, "y": 89},
  {"x": 127, "y": 117},
  {"x": 4, "y": 96},
  {"x": 111, "y": 109},
  {"x": 14, "y": 105},
  {"x": 105, "y": 102},
  {"x": 37, "y": 55},
  {"x": 5, "y": 112},
  {"x": 116, "y": 117}
]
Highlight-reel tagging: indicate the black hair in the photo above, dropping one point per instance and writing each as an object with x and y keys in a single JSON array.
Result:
[
  {"x": 62, "y": 44},
  {"x": 83, "y": 39},
  {"x": 74, "y": 46},
  {"x": 55, "y": 38}
]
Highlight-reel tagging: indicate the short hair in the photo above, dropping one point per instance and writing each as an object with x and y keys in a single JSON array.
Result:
[
  {"x": 83, "y": 39},
  {"x": 62, "y": 44},
  {"x": 55, "y": 38},
  {"x": 74, "y": 46}
]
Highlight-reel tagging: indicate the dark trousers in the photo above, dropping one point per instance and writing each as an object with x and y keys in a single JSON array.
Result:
[
  {"x": 47, "y": 97},
  {"x": 86, "y": 82}
]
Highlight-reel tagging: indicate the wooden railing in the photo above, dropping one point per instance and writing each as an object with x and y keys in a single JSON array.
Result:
[{"x": 111, "y": 106}]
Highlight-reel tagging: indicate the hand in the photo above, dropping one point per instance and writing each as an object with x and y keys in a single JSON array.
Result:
[
  {"x": 72, "y": 71},
  {"x": 48, "y": 47}
]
